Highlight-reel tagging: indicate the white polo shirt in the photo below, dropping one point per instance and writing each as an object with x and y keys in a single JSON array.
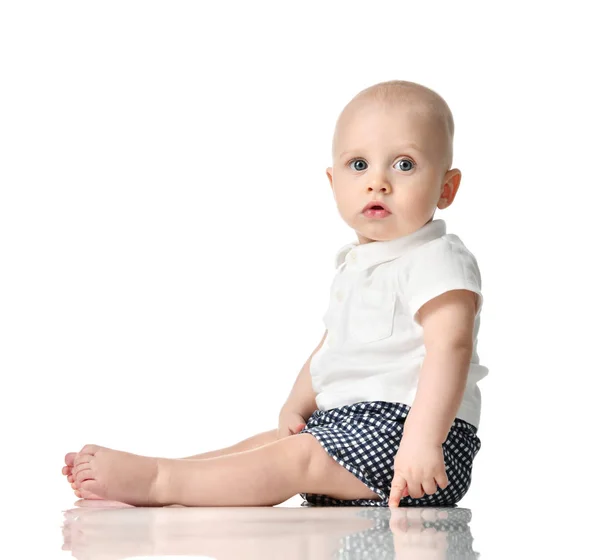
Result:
[{"x": 374, "y": 347}]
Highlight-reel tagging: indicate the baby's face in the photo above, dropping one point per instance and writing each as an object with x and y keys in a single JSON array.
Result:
[{"x": 392, "y": 154}]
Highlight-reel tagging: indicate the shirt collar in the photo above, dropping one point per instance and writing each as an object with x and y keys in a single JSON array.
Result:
[{"x": 361, "y": 257}]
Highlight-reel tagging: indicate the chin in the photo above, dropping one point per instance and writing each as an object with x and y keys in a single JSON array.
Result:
[{"x": 368, "y": 238}]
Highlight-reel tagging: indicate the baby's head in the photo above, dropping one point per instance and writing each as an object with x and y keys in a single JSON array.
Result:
[{"x": 393, "y": 143}]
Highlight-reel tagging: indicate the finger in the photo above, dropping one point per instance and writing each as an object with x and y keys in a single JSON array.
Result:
[
  {"x": 397, "y": 491},
  {"x": 429, "y": 486},
  {"x": 442, "y": 480},
  {"x": 415, "y": 489}
]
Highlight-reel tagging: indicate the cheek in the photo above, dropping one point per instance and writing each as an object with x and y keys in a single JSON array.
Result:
[
  {"x": 344, "y": 198},
  {"x": 420, "y": 199}
]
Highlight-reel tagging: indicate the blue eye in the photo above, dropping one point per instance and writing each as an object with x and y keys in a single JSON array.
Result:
[
  {"x": 403, "y": 161},
  {"x": 354, "y": 160}
]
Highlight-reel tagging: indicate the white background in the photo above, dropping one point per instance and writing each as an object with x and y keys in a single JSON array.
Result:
[{"x": 167, "y": 232}]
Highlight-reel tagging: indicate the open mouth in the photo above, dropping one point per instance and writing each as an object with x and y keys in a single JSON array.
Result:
[
  {"x": 374, "y": 208},
  {"x": 376, "y": 212}
]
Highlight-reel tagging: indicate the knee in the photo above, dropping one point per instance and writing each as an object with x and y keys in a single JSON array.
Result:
[
  {"x": 308, "y": 452},
  {"x": 317, "y": 465}
]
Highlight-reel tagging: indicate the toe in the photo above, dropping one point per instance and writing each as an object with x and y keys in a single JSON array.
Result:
[
  {"x": 89, "y": 449},
  {"x": 82, "y": 460},
  {"x": 91, "y": 490},
  {"x": 83, "y": 474},
  {"x": 69, "y": 458}
]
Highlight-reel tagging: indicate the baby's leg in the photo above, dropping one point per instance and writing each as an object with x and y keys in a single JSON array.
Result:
[
  {"x": 270, "y": 475},
  {"x": 258, "y": 440},
  {"x": 253, "y": 442},
  {"x": 264, "y": 476}
]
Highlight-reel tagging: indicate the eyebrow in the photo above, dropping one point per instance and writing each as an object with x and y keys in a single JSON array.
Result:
[{"x": 413, "y": 146}]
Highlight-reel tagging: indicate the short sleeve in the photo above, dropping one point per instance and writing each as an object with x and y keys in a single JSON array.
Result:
[{"x": 438, "y": 267}]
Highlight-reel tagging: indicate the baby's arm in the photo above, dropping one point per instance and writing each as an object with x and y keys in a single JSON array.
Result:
[
  {"x": 302, "y": 397},
  {"x": 447, "y": 322}
]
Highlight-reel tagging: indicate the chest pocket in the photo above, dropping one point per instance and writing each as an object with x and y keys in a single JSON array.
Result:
[{"x": 372, "y": 315}]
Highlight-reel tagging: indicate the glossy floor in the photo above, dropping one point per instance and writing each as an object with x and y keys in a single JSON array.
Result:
[{"x": 105, "y": 530}]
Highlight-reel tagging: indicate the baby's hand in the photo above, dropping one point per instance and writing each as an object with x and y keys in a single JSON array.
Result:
[
  {"x": 418, "y": 465},
  {"x": 290, "y": 423}
]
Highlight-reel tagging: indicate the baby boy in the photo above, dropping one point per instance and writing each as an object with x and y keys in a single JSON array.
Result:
[{"x": 386, "y": 409}]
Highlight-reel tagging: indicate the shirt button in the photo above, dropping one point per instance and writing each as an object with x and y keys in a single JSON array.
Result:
[
  {"x": 339, "y": 296},
  {"x": 353, "y": 256}
]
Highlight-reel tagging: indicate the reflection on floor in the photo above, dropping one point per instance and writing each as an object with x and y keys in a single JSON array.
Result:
[{"x": 99, "y": 529}]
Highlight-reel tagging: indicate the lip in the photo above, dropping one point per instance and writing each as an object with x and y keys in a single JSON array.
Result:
[{"x": 376, "y": 203}]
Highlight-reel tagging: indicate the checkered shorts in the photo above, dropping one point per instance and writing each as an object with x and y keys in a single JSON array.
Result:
[{"x": 364, "y": 437}]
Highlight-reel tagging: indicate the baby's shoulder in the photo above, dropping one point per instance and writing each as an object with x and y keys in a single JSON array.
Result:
[
  {"x": 445, "y": 245},
  {"x": 440, "y": 256},
  {"x": 425, "y": 251}
]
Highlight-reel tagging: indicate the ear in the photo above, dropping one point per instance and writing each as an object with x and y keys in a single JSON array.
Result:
[
  {"x": 329, "y": 172},
  {"x": 449, "y": 188}
]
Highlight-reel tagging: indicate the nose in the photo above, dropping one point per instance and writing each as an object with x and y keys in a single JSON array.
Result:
[
  {"x": 380, "y": 186},
  {"x": 378, "y": 181}
]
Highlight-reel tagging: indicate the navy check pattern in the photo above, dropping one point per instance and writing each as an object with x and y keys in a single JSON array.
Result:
[{"x": 364, "y": 437}]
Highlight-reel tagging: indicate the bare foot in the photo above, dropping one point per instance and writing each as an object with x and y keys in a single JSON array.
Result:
[
  {"x": 116, "y": 475},
  {"x": 67, "y": 470}
]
